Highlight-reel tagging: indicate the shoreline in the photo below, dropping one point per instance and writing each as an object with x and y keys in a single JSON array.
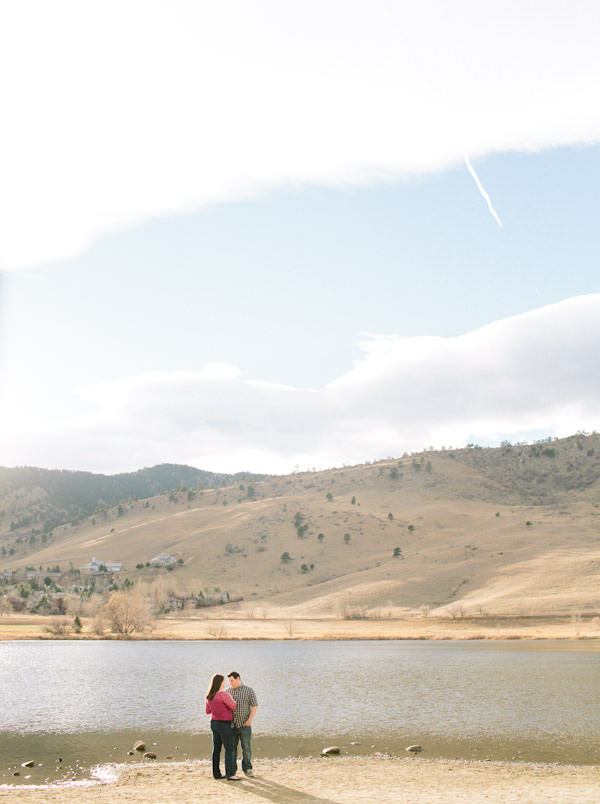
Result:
[
  {"x": 82, "y": 752},
  {"x": 328, "y": 780}
]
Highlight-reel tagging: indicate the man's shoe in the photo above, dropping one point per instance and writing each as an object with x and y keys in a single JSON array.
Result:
[{"x": 249, "y": 772}]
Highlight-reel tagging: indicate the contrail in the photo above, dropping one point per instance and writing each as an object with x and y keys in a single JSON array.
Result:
[{"x": 471, "y": 170}]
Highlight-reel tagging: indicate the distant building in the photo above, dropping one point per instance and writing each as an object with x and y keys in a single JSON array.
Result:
[
  {"x": 95, "y": 566},
  {"x": 175, "y": 602},
  {"x": 214, "y": 599},
  {"x": 163, "y": 560}
]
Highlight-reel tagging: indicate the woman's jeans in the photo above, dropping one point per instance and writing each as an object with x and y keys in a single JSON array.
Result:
[{"x": 223, "y": 736}]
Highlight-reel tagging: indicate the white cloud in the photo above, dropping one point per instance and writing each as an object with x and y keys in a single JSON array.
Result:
[
  {"x": 531, "y": 373},
  {"x": 115, "y": 112}
]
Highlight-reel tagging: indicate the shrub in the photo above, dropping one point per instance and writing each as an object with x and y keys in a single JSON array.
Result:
[{"x": 127, "y": 613}]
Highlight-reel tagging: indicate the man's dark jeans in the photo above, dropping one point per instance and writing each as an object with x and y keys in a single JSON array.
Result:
[
  {"x": 243, "y": 735},
  {"x": 222, "y": 735}
]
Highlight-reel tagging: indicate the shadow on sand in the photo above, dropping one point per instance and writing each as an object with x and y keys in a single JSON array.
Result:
[{"x": 267, "y": 790}]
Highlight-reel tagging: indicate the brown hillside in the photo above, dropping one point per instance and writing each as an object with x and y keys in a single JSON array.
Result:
[{"x": 513, "y": 530}]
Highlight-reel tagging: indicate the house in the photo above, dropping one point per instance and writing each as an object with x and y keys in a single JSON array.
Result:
[
  {"x": 163, "y": 560},
  {"x": 213, "y": 599},
  {"x": 178, "y": 602},
  {"x": 175, "y": 602},
  {"x": 95, "y": 566}
]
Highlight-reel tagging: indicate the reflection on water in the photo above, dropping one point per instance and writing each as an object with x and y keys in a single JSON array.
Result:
[{"x": 448, "y": 696}]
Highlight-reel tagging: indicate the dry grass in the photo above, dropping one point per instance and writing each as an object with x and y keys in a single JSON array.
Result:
[
  {"x": 460, "y": 522},
  {"x": 292, "y": 625}
]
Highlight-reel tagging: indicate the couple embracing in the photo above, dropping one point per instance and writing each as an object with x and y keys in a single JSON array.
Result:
[{"x": 232, "y": 712}]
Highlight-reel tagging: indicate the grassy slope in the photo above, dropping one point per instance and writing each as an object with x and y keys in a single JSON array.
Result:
[{"x": 470, "y": 551}]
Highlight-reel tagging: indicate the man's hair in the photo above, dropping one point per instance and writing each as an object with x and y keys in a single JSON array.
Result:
[{"x": 233, "y": 674}]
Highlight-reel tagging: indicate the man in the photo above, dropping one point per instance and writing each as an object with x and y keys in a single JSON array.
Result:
[{"x": 245, "y": 698}]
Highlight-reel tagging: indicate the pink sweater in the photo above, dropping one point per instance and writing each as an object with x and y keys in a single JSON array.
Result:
[{"x": 221, "y": 707}]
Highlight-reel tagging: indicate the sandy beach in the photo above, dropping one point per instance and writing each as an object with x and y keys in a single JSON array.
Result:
[{"x": 332, "y": 780}]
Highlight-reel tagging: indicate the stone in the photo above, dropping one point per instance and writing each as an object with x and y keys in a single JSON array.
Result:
[
  {"x": 149, "y": 755},
  {"x": 139, "y": 746},
  {"x": 327, "y": 752},
  {"x": 414, "y": 749},
  {"x": 29, "y": 764}
]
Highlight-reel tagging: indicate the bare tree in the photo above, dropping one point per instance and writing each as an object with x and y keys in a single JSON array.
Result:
[
  {"x": 158, "y": 590},
  {"x": 217, "y": 630},
  {"x": 58, "y": 626},
  {"x": 98, "y": 623},
  {"x": 128, "y": 613}
]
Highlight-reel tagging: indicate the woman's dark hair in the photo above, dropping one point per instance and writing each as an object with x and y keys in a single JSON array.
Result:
[{"x": 215, "y": 686}]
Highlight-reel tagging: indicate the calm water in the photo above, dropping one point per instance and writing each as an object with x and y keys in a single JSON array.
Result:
[{"x": 536, "y": 701}]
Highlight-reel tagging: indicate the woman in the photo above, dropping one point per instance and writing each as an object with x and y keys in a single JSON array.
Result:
[{"x": 221, "y": 706}]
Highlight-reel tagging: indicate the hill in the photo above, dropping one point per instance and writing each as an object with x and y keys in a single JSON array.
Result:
[
  {"x": 41, "y": 499},
  {"x": 468, "y": 532}
]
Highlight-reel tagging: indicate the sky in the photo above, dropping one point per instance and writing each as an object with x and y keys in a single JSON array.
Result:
[{"x": 282, "y": 236}]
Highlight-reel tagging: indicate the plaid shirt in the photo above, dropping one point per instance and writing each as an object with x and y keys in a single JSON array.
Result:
[{"x": 245, "y": 698}]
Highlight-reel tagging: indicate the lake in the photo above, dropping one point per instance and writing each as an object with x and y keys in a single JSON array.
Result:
[{"x": 87, "y": 702}]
